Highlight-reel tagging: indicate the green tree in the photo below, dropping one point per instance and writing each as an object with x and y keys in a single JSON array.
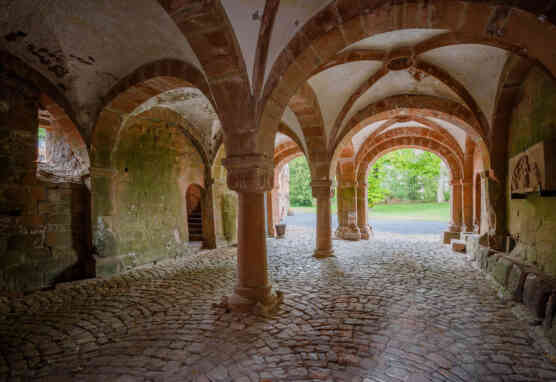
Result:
[
  {"x": 300, "y": 183},
  {"x": 407, "y": 174},
  {"x": 375, "y": 190}
]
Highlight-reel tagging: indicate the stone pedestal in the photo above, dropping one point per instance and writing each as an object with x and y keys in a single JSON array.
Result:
[
  {"x": 250, "y": 176},
  {"x": 347, "y": 213},
  {"x": 322, "y": 191},
  {"x": 362, "y": 212}
]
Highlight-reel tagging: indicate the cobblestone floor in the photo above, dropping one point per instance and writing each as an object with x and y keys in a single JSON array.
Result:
[{"x": 391, "y": 309}]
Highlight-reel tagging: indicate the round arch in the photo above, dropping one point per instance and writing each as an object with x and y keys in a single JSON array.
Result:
[
  {"x": 142, "y": 84},
  {"x": 443, "y": 139},
  {"x": 335, "y": 27},
  {"x": 422, "y": 143}
]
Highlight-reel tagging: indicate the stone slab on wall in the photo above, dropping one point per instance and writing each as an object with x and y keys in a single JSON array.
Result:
[{"x": 532, "y": 221}]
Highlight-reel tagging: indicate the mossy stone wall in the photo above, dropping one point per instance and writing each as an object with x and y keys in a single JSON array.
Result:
[{"x": 534, "y": 218}]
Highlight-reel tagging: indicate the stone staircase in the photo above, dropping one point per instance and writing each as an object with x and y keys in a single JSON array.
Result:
[{"x": 195, "y": 224}]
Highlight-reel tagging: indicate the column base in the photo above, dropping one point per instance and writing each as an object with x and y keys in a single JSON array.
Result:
[
  {"x": 447, "y": 236},
  {"x": 454, "y": 228},
  {"x": 350, "y": 232},
  {"x": 323, "y": 253},
  {"x": 366, "y": 232},
  {"x": 266, "y": 304}
]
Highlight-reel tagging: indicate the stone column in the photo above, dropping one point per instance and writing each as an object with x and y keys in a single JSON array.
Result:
[
  {"x": 456, "y": 204},
  {"x": 322, "y": 191},
  {"x": 467, "y": 190},
  {"x": 347, "y": 213},
  {"x": 362, "y": 211},
  {"x": 270, "y": 212},
  {"x": 250, "y": 176},
  {"x": 495, "y": 205},
  {"x": 209, "y": 229},
  {"x": 454, "y": 228}
]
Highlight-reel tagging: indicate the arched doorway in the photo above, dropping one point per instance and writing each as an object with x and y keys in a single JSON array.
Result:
[{"x": 194, "y": 197}]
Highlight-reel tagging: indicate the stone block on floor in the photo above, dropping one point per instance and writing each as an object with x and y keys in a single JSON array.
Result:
[
  {"x": 550, "y": 312},
  {"x": 458, "y": 246},
  {"x": 502, "y": 270},
  {"x": 447, "y": 236},
  {"x": 516, "y": 280},
  {"x": 491, "y": 261},
  {"x": 536, "y": 292}
]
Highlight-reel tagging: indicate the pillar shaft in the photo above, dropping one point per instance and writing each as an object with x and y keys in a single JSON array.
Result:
[
  {"x": 467, "y": 189},
  {"x": 250, "y": 176},
  {"x": 252, "y": 263},
  {"x": 456, "y": 207},
  {"x": 209, "y": 229},
  {"x": 322, "y": 192},
  {"x": 362, "y": 211},
  {"x": 270, "y": 200}
]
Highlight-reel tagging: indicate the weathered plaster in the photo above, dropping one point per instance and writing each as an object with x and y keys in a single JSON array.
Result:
[
  {"x": 334, "y": 86},
  {"x": 75, "y": 43},
  {"x": 245, "y": 16},
  {"x": 396, "y": 39},
  {"x": 463, "y": 62},
  {"x": 401, "y": 82},
  {"x": 291, "y": 16}
]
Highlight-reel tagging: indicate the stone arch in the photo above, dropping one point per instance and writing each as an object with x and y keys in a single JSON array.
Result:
[
  {"x": 69, "y": 156},
  {"x": 414, "y": 105},
  {"x": 194, "y": 196},
  {"x": 207, "y": 28},
  {"x": 15, "y": 68},
  {"x": 436, "y": 136},
  {"x": 306, "y": 107},
  {"x": 284, "y": 153},
  {"x": 418, "y": 66},
  {"x": 145, "y": 82},
  {"x": 339, "y": 25},
  {"x": 141, "y": 192},
  {"x": 423, "y": 143}
]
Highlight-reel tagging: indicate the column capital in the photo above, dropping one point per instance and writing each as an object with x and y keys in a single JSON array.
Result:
[
  {"x": 249, "y": 173},
  {"x": 322, "y": 188}
]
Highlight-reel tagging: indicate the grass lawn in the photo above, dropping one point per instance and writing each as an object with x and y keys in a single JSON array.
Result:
[{"x": 410, "y": 211}]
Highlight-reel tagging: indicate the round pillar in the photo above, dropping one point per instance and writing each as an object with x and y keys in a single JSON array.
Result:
[
  {"x": 322, "y": 191},
  {"x": 362, "y": 211},
  {"x": 251, "y": 176}
]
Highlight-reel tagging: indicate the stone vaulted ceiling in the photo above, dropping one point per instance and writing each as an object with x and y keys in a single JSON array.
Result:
[{"x": 240, "y": 48}]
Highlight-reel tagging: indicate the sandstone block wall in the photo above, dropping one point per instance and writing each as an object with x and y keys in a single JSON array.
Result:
[
  {"x": 140, "y": 206},
  {"x": 43, "y": 225},
  {"x": 533, "y": 220}
]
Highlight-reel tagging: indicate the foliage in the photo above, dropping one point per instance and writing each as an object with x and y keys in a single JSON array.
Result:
[
  {"x": 300, "y": 183},
  {"x": 375, "y": 191},
  {"x": 405, "y": 174}
]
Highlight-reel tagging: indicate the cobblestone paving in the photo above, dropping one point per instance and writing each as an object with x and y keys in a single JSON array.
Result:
[{"x": 391, "y": 309}]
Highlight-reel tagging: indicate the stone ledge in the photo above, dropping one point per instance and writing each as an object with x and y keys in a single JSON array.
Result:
[{"x": 521, "y": 283}]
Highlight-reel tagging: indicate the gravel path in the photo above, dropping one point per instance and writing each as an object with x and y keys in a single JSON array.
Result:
[{"x": 411, "y": 227}]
